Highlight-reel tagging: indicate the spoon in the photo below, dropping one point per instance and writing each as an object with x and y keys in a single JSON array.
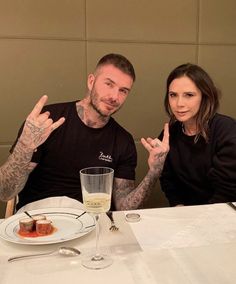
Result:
[{"x": 66, "y": 251}]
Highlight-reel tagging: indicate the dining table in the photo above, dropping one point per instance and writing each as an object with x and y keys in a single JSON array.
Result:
[{"x": 180, "y": 245}]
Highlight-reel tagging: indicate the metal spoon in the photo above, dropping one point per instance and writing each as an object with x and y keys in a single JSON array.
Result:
[{"x": 66, "y": 251}]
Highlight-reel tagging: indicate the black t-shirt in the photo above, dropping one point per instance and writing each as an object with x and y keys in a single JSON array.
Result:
[
  {"x": 201, "y": 173},
  {"x": 74, "y": 146}
]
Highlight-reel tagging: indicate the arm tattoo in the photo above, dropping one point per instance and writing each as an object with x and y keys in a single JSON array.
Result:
[
  {"x": 34, "y": 134},
  {"x": 15, "y": 171},
  {"x": 161, "y": 157},
  {"x": 127, "y": 197}
]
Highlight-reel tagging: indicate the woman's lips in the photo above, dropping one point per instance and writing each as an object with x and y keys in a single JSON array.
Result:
[{"x": 182, "y": 113}]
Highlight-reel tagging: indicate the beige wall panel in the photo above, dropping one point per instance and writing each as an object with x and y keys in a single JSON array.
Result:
[
  {"x": 31, "y": 68},
  {"x": 4, "y": 153},
  {"x": 142, "y": 20},
  {"x": 51, "y": 18},
  {"x": 220, "y": 62},
  {"x": 143, "y": 113},
  {"x": 217, "y": 21}
]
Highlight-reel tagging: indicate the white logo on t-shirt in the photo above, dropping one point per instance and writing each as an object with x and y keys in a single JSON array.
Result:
[{"x": 104, "y": 157}]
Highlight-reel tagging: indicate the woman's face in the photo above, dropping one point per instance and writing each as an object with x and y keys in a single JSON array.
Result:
[{"x": 184, "y": 99}]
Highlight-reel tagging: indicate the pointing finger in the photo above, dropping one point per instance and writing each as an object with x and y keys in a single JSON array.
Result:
[
  {"x": 165, "y": 139},
  {"x": 38, "y": 107}
]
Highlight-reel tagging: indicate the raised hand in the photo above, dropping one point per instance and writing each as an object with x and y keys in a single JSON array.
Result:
[
  {"x": 38, "y": 126},
  {"x": 158, "y": 150}
]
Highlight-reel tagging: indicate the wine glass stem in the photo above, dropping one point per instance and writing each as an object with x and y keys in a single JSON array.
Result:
[{"x": 97, "y": 255}]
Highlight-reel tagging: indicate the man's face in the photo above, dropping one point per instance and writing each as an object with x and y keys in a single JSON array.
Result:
[{"x": 109, "y": 88}]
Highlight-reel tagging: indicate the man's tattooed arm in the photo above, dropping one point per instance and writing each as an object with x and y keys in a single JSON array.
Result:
[
  {"x": 127, "y": 197},
  {"x": 37, "y": 128},
  {"x": 14, "y": 173}
]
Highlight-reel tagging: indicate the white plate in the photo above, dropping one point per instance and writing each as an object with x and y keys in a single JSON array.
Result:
[{"x": 69, "y": 223}]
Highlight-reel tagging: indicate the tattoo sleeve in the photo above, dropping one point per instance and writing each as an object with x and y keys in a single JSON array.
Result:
[
  {"x": 14, "y": 173},
  {"x": 127, "y": 197}
]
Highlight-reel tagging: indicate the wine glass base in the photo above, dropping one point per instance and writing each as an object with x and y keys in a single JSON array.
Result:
[{"x": 93, "y": 262}]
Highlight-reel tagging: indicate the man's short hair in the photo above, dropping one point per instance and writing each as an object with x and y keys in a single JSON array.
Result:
[{"x": 120, "y": 62}]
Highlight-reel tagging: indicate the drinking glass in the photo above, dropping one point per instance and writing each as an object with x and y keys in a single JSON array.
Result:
[{"x": 96, "y": 185}]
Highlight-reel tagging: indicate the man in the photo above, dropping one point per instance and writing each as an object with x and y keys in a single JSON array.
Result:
[{"x": 83, "y": 135}]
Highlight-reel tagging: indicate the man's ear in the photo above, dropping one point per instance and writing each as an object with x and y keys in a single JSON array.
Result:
[{"x": 90, "y": 81}]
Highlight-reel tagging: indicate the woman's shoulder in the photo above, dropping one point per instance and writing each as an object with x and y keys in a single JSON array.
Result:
[
  {"x": 221, "y": 120},
  {"x": 223, "y": 126}
]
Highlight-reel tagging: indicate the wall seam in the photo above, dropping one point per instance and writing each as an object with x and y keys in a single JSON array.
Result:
[
  {"x": 118, "y": 41},
  {"x": 198, "y": 30},
  {"x": 86, "y": 39}
]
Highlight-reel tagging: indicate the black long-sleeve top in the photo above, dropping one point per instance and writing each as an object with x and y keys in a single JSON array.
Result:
[{"x": 201, "y": 173}]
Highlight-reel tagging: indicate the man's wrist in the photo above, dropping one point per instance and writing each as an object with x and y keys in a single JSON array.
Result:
[
  {"x": 24, "y": 147},
  {"x": 155, "y": 172}
]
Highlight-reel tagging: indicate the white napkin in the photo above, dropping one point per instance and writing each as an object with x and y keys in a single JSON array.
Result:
[{"x": 52, "y": 202}]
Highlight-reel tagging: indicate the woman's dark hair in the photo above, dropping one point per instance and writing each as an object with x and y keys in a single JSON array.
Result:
[
  {"x": 210, "y": 96},
  {"x": 120, "y": 62}
]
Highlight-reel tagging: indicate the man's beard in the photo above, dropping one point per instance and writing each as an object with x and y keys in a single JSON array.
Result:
[{"x": 95, "y": 105}]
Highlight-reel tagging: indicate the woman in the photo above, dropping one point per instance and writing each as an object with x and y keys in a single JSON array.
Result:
[{"x": 201, "y": 165}]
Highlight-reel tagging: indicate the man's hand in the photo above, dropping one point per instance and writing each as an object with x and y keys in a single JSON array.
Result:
[
  {"x": 158, "y": 150},
  {"x": 38, "y": 126}
]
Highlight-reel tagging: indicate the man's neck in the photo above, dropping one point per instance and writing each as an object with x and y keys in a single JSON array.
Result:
[{"x": 89, "y": 116}]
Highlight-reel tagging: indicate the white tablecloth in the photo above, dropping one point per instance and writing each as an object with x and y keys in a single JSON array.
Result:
[{"x": 195, "y": 244}]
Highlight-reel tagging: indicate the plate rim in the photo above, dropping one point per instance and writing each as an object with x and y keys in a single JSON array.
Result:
[{"x": 66, "y": 210}]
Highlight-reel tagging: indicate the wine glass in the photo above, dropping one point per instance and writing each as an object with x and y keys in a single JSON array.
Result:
[{"x": 96, "y": 185}]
